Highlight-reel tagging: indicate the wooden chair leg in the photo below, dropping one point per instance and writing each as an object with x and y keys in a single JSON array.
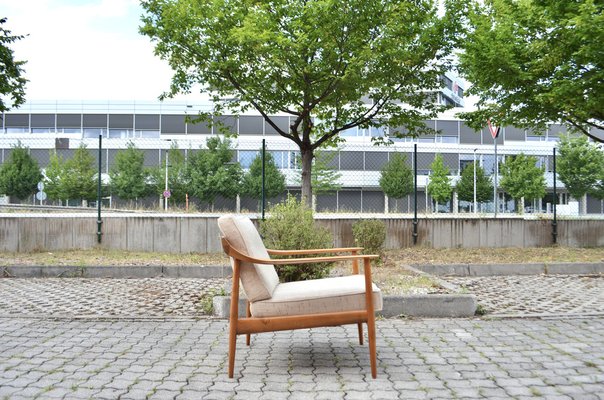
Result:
[
  {"x": 248, "y": 336},
  {"x": 233, "y": 317},
  {"x": 360, "y": 326},
  {"x": 232, "y": 348},
  {"x": 372, "y": 347}
]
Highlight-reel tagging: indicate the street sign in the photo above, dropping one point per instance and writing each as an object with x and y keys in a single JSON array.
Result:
[
  {"x": 41, "y": 196},
  {"x": 41, "y": 186},
  {"x": 167, "y": 194},
  {"x": 493, "y": 129}
]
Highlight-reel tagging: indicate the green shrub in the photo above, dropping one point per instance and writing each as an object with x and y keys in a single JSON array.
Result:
[
  {"x": 291, "y": 226},
  {"x": 369, "y": 234}
]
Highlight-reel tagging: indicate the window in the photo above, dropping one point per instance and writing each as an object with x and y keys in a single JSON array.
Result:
[{"x": 246, "y": 157}]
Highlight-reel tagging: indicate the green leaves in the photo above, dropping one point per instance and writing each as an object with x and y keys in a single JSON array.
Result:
[
  {"x": 465, "y": 185},
  {"x": 79, "y": 179},
  {"x": 535, "y": 62},
  {"x": 580, "y": 166},
  {"x": 396, "y": 178},
  {"x": 211, "y": 173},
  {"x": 439, "y": 186},
  {"x": 12, "y": 82},
  {"x": 129, "y": 177},
  {"x": 19, "y": 175},
  {"x": 274, "y": 184},
  {"x": 521, "y": 177}
]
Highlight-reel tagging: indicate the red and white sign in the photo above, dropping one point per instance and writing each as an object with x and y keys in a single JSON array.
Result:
[{"x": 494, "y": 129}]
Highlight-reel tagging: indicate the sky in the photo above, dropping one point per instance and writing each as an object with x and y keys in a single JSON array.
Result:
[{"x": 85, "y": 50}]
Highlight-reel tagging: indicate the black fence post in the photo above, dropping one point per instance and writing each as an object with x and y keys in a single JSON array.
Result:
[
  {"x": 415, "y": 194},
  {"x": 263, "y": 176},
  {"x": 99, "y": 221},
  {"x": 554, "y": 221}
]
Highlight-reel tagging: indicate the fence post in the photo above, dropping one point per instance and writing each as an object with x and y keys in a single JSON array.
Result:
[
  {"x": 99, "y": 221},
  {"x": 554, "y": 221},
  {"x": 263, "y": 176},
  {"x": 415, "y": 194}
]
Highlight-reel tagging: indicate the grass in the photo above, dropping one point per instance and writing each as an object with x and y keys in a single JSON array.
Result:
[{"x": 391, "y": 258}]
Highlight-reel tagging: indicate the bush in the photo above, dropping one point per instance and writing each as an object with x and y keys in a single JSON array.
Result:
[
  {"x": 369, "y": 234},
  {"x": 291, "y": 226}
]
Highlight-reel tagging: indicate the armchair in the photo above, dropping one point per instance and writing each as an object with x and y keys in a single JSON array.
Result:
[{"x": 274, "y": 306}]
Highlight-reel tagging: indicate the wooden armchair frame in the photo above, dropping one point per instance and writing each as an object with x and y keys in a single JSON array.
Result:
[{"x": 249, "y": 325}]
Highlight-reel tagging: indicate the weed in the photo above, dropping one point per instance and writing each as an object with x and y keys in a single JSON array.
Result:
[
  {"x": 206, "y": 302},
  {"x": 481, "y": 310}
]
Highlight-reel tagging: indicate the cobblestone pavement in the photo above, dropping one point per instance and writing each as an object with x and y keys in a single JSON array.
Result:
[
  {"x": 417, "y": 359},
  {"x": 152, "y": 297},
  {"x": 536, "y": 294}
]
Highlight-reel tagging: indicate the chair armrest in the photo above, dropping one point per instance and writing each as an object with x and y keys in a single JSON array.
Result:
[{"x": 313, "y": 251}]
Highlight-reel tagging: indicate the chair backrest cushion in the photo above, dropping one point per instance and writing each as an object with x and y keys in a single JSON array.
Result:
[{"x": 258, "y": 280}]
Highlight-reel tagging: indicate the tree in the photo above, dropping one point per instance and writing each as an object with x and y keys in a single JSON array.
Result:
[
  {"x": 129, "y": 177},
  {"x": 465, "y": 185},
  {"x": 19, "y": 176},
  {"x": 396, "y": 177},
  {"x": 12, "y": 82},
  {"x": 521, "y": 178},
  {"x": 53, "y": 177},
  {"x": 79, "y": 180},
  {"x": 212, "y": 174},
  {"x": 439, "y": 187},
  {"x": 312, "y": 60},
  {"x": 274, "y": 180},
  {"x": 533, "y": 62},
  {"x": 324, "y": 178},
  {"x": 580, "y": 165},
  {"x": 178, "y": 175}
]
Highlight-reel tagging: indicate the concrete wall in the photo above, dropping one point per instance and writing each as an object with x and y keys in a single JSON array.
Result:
[{"x": 191, "y": 233}]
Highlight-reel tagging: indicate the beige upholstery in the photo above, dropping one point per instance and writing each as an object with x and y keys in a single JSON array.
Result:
[
  {"x": 346, "y": 293},
  {"x": 259, "y": 281}
]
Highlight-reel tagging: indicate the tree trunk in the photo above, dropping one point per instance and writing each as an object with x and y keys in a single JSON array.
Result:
[{"x": 306, "y": 156}]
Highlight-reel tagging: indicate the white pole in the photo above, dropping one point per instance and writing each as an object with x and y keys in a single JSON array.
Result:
[
  {"x": 165, "y": 198},
  {"x": 475, "y": 203}
]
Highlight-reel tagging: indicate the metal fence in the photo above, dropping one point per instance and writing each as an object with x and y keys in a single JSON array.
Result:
[{"x": 358, "y": 164}]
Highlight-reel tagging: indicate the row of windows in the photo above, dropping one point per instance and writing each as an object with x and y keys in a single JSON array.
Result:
[
  {"x": 154, "y": 125},
  {"x": 338, "y": 160}
]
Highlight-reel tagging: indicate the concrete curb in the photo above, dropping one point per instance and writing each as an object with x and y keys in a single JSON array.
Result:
[
  {"x": 197, "y": 272},
  {"x": 429, "y": 305},
  {"x": 513, "y": 269}
]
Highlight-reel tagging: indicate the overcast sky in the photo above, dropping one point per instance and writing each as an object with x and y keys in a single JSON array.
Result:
[{"x": 85, "y": 50}]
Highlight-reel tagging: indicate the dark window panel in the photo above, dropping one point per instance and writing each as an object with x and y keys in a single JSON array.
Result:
[
  {"x": 402, "y": 205},
  {"x": 373, "y": 201},
  {"x": 351, "y": 160},
  {"x": 16, "y": 120},
  {"x": 468, "y": 135},
  {"x": 331, "y": 158},
  {"x": 112, "y": 154},
  {"x": 375, "y": 161},
  {"x": 327, "y": 202},
  {"x": 349, "y": 200},
  {"x": 281, "y": 122},
  {"x": 556, "y": 130},
  {"x": 226, "y": 123},
  {"x": 173, "y": 124},
  {"x": 198, "y": 127},
  {"x": 123, "y": 121},
  {"x": 594, "y": 206},
  {"x": 69, "y": 120},
  {"x": 424, "y": 160},
  {"x": 147, "y": 121},
  {"x": 42, "y": 156},
  {"x": 513, "y": 133},
  {"x": 250, "y": 125},
  {"x": 448, "y": 128},
  {"x": 94, "y": 120},
  {"x": 151, "y": 158},
  {"x": 65, "y": 153},
  {"x": 42, "y": 120},
  {"x": 249, "y": 204}
]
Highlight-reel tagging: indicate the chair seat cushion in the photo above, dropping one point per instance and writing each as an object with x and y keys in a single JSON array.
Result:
[{"x": 346, "y": 293}]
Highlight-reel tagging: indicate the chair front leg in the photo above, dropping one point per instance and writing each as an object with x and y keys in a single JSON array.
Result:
[
  {"x": 370, "y": 316},
  {"x": 234, "y": 316},
  {"x": 248, "y": 313}
]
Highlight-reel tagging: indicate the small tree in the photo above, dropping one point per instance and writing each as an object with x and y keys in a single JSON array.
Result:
[
  {"x": 19, "y": 176},
  {"x": 465, "y": 185},
  {"x": 53, "y": 177},
  {"x": 580, "y": 165},
  {"x": 439, "y": 187},
  {"x": 79, "y": 180},
  {"x": 12, "y": 82},
  {"x": 178, "y": 175},
  {"x": 291, "y": 225},
  {"x": 396, "y": 178},
  {"x": 521, "y": 178},
  {"x": 129, "y": 177},
  {"x": 274, "y": 180},
  {"x": 212, "y": 174}
]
